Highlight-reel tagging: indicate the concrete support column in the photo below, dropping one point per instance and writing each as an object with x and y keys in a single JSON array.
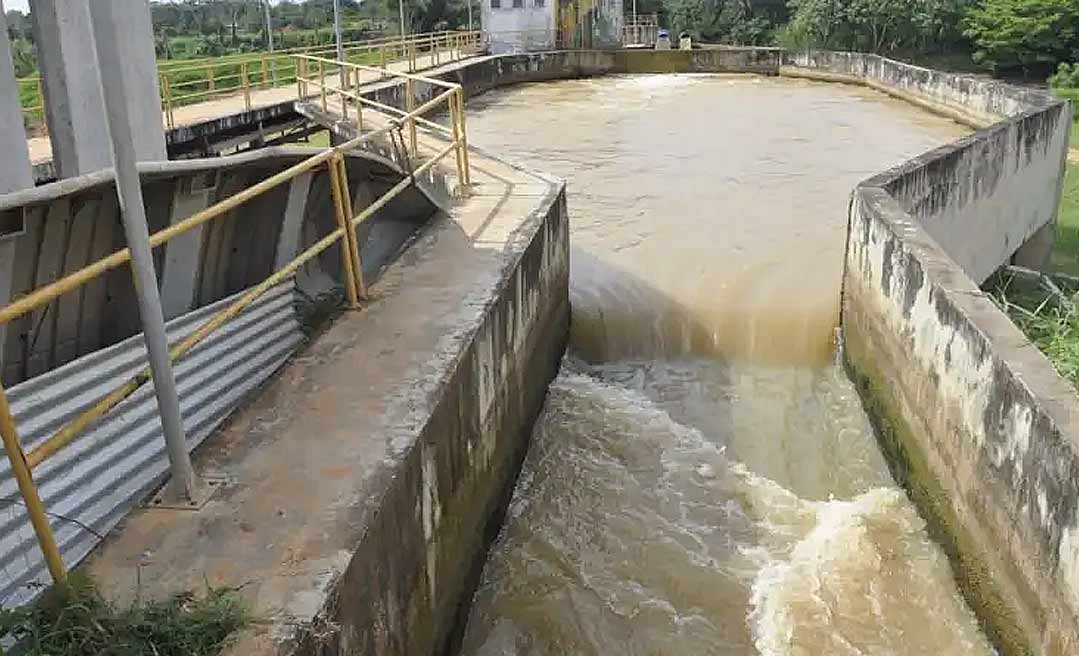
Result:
[
  {"x": 183, "y": 254},
  {"x": 1034, "y": 253},
  {"x": 15, "y": 171},
  {"x": 74, "y": 105}
]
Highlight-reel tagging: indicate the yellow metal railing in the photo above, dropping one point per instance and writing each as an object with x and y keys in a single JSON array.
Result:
[
  {"x": 187, "y": 82},
  {"x": 23, "y": 463},
  {"x": 337, "y": 86}
]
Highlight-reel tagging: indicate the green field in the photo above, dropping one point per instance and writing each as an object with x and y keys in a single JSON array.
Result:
[
  {"x": 1066, "y": 252},
  {"x": 1046, "y": 315}
]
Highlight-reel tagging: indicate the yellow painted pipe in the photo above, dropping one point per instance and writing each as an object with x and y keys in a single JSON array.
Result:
[
  {"x": 34, "y": 507},
  {"x": 347, "y": 263},
  {"x": 72, "y": 430},
  {"x": 48, "y": 293},
  {"x": 350, "y": 233}
]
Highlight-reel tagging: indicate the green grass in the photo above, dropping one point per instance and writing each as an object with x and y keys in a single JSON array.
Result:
[
  {"x": 1073, "y": 95},
  {"x": 1047, "y": 320},
  {"x": 77, "y": 621},
  {"x": 1066, "y": 250}
]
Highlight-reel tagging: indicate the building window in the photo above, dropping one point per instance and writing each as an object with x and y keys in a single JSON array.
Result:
[
  {"x": 539, "y": 3},
  {"x": 518, "y": 4},
  {"x": 496, "y": 4}
]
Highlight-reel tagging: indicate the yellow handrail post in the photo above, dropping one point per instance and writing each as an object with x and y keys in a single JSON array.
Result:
[
  {"x": 359, "y": 110},
  {"x": 346, "y": 196},
  {"x": 410, "y": 106},
  {"x": 34, "y": 507},
  {"x": 166, "y": 98},
  {"x": 348, "y": 271},
  {"x": 301, "y": 83},
  {"x": 463, "y": 145},
  {"x": 382, "y": 56},
  {"x": 343, "y": 93},
  {"x": 210, "y": 72},
  {"x": 322, "y": 83},
  {"x": 455, "y": 125},
  {"x": 246, "y": 86},
  {"x": 434, "y": 49},
  {"x": 40, "y": 96}
]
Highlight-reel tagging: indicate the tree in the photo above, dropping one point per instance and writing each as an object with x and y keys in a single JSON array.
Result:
[{"x": 1024, "y": 34}]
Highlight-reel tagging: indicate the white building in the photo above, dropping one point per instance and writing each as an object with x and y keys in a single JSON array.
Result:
[{"x": 528, "y": 25}]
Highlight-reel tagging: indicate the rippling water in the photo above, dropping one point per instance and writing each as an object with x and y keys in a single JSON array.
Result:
[{"x": 702, "y": 479}]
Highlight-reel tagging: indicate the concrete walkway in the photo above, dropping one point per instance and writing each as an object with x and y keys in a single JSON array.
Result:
[
  {"x": 41, "y": 148},
  {"x": 309, "y": 461}
]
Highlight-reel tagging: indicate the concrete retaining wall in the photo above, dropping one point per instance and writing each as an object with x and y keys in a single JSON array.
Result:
[
  {"x": 977, "y": 424},
  {"x": 482, "y": 74},
  {"x": 981, "y": 197},
  {"x": 408, "y": 586}
]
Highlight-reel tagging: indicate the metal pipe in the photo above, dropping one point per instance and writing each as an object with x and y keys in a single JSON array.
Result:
[
  {"x": 348, "y": 272},
  {"x": 374, "y": 69},
  {"x": 463, "y": 145},
  {"x": 110, "y": 58},
  {"x": 50, "y": 292},
  {"x": 34, "y": 507},
  {"x": 350, "y": 232}
]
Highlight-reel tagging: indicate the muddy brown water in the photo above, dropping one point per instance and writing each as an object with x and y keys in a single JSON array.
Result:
[{"x": 703, "y": 479}]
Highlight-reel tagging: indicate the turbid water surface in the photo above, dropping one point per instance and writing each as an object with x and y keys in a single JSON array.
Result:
[{"x": 703, "y": 479}]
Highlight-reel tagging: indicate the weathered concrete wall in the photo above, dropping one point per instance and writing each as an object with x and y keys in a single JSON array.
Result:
[
  {"x": 408, "y": 585},
  {"x": 977, "y": 424},
  {"x": 984, "y": 196},
  {"x": 482, "y": 74},
  {"x": 404, "y": 424}
]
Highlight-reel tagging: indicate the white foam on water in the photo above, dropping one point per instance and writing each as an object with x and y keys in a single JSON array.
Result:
[{"x": 709, "y": 557}]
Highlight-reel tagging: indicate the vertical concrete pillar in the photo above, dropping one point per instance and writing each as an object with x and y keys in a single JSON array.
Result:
[
  {"x": 135, "y": 29},
  {"x": 1035, "y": 252},
  {"x": 179, "y": 277},
  {"x": 15, "y": 171},
  {"x": 74, "y": 105}
]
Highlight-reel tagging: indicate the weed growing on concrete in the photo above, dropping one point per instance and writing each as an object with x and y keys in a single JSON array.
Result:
[
  {"x": 1045, "y": 311},
  {"x": 77, "y": 621}
]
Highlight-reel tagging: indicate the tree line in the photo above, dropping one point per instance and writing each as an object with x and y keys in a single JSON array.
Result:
[
  {"x": 1028, "y": 37},
  {"x": 211, "y": 28},
  {"x": 1010, "y": 37}
]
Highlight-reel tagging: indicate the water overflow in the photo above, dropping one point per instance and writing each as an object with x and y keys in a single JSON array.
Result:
[{"x": 703, "y": 478}]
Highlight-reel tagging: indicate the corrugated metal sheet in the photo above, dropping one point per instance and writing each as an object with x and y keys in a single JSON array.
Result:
[{"x": 98, "y": 478}]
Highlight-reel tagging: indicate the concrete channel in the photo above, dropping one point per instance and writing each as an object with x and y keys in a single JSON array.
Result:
[{"x": 368, "y": 478}]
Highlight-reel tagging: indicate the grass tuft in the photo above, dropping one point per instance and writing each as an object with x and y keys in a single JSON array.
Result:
[
  {"x": 1052, "y": 325},
  {"x": 77, "y": 621}
]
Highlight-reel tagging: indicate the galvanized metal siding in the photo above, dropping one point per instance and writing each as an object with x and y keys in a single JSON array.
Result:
[{"x": 97, "y": 479}]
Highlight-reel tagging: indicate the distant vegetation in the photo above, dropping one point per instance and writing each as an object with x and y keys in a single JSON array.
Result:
[
  {"x": 1026, "y": 38},
  {"x": 193, "y": 29}
]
